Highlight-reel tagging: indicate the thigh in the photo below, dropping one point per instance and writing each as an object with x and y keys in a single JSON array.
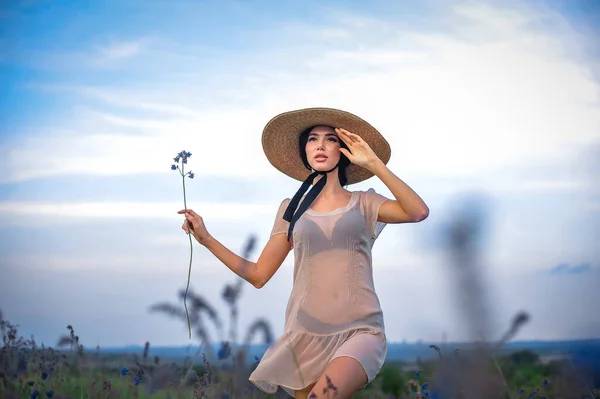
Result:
[
  {"x": 303, "y": 394},
  {"x": 343, "y": 377},
  {"x": 368, "y": 349}
]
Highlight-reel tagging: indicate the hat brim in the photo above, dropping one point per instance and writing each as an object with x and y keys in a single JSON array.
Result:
[{"x": 281, "y": 136}]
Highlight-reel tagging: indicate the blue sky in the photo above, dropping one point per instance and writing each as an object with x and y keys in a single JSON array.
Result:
[{"x": 503, "y": 102}]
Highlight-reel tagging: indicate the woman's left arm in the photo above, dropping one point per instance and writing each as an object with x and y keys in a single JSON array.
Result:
[{"x": 408, "y": 206}]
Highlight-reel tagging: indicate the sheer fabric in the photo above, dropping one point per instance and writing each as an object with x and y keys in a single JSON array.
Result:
[{"x": 333, "y": 296}]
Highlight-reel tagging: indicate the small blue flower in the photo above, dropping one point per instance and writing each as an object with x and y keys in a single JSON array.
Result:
[
  {"x": 34, "y": 394},
  {"x": 49, "y": 394},
  {"x": 424, "y": 386},
  {"x": 137, "y": 380},
  {"x": 191, "y": 175},
  {"x": 189, "y": 154},
  {"x": 124, "y": 371},
  {"x": 522, "y": 390},
  {"x": 225, "y": 395},
  {"x": 532, "y": 395},
  {"x": 44, "y": 375},
  {"x": 224, "y": 351},
  {"x": 418, "y": 373},
  {"x": 545, "y": 382},
  {"x": 173, "y": 167}
]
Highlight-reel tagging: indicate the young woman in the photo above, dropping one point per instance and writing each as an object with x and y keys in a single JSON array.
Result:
[{"x": 334, "y": 335}]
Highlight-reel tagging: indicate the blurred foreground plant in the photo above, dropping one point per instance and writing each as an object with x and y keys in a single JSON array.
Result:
[{"x": 183, "y": 157}]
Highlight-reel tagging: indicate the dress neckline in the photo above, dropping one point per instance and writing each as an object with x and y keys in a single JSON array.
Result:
[{"x": 337, "y": 210}]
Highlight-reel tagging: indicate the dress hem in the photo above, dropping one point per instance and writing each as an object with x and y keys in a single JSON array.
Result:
[{"x": 369, "y": 329}]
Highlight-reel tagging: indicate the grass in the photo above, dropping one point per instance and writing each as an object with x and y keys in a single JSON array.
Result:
[
  {"x": 478, "y": 371},
  {"x": 31, "y": 371}
]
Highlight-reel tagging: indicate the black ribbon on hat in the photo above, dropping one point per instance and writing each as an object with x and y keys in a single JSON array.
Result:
[{"x": 291, "y": 213}]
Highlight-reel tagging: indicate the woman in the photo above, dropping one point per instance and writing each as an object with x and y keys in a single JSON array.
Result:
[{"x": 334, "y": 335}]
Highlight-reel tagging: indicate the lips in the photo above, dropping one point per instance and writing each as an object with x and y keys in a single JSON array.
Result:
[{"x": 321, "y": 158}]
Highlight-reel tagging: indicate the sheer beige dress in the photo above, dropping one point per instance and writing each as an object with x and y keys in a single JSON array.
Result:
[{"x": 333, "y": 309}]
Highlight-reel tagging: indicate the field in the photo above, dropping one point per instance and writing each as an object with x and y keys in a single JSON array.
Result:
[
  {"x": 483, "y": 369},
  {"x": 475, "y": 371}
]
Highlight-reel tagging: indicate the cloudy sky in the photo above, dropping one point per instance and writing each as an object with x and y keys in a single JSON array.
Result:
[{"x": 501, "y": 102}]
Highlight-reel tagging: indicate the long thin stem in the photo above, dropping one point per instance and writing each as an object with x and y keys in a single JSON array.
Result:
[{"x": 191, "y": 254}]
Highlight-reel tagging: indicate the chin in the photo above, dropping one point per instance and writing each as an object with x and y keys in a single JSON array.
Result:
[{"x": 322, "y": 167}]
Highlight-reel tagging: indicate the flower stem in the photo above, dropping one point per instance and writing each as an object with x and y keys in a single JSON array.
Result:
[{"x": 191, "y": 254}]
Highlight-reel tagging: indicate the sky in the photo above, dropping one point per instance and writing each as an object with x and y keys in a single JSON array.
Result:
[{"x": 483, "y": 103}]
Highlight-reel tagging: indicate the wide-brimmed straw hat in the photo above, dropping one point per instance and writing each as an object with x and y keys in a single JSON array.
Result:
[{"x": 281, "y": 136}]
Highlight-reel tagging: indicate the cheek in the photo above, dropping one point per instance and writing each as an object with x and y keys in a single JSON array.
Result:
[{"x": 335, "y": 147}]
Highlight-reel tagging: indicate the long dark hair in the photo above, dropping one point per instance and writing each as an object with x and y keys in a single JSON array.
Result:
[{"x": 342, "y": 165}]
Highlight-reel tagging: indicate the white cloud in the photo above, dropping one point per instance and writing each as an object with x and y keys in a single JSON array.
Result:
[
  {"x": 448, "y": 106},
  {"x": 120, "y": 50},
  {"x": 131, "y": 210}
]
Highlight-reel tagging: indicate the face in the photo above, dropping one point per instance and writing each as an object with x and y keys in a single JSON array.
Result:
[{"x": 323, "y": 148}]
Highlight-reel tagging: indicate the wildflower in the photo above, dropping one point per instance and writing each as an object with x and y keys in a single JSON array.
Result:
[
  {"x": 136, "y": 380},
  {"x": 34, "y": 394},
  {"x": 313, "y": 396},
  {"x": 418, "y": 373},
  {"x": 44, "y": 375},
  {"x": 50, "y": 394},
  {"x": 224, "y": 351},
  {"x": 545, "y": 382},
  {"x": 183, "y": 156},
  {"x": 124, "y": 371},
  {"x": 225, "y": 395}
]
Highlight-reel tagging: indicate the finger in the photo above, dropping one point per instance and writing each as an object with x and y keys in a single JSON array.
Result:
[
  {"x": 345, "y": 138},
  {"x": 190, "y": 222},
  {"x": 354, "y": 136},
  {"x": 346, "y": 135},
  {"x": 347, "y": 153},
  {"x": 191, "y": 212},
  {"x": 194, "y": 214}
]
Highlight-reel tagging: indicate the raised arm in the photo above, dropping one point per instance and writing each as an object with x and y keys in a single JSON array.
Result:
[{"x": 256, "y": 273}]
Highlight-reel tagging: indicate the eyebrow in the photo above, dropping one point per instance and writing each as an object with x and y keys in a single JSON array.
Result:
[{"x": 326, "y": 134}]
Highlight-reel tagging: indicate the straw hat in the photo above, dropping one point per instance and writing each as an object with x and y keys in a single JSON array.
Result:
[{"x": 281, "y": 136}]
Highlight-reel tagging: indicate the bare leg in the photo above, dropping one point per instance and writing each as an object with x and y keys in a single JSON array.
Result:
[
  {"x": 303, "y": 394},
  {"x": 346, "y": 374}
]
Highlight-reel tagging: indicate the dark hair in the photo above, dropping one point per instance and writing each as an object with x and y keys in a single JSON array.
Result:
[{"x": 342, "y": 165}]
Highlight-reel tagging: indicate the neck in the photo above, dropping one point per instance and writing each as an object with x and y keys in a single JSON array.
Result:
[{"x": 333, "y": 185}]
